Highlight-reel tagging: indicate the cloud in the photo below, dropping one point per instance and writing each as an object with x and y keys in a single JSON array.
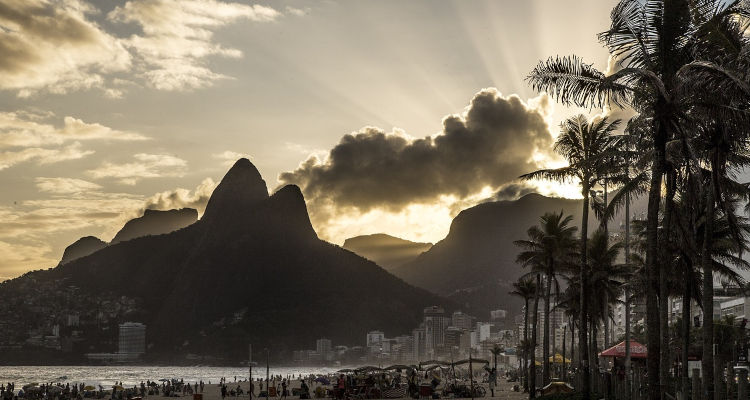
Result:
[
  {"x": 20, "y": 129},
  {"x": 177, "y": 38},
  {"x": 298, "y": 12},
  {"x": 229, "y": 157},
  {"x": 182, "y": 198},
  {"x": 514, "y": 190},
  {"x": 145, "y": 166},
  {"x": 19, "y": 258},
  {"x": 65, "y": 185},
  {"x": 53, "y": 46},
  {"x": 490, "y": 144},
  {"x": 33, "y": 233},
  {"x": 43, "y": 156}
]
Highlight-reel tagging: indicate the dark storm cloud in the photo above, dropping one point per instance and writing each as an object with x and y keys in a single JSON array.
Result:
[
  {"x": 491, "y": 144},
  {"x": 513, "y": 191}
]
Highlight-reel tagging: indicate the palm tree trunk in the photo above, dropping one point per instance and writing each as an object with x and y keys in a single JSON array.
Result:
[
  {"x": 572, "y": 340},
  {"x": 707, "y": 362},
  {"x": 652, "y": 268},
  {"x": 583, "y": 275},
  {"x": 685, "y": 338},
  {"x": 663, "y": 293},
  {"x": 606, "y": 319},
  {"x": 605, "y": 224},
  {"x": 628, "y": 382},
  {"x": 545, "y": 349},
  {"x": 535, "y": 323},
  {"x": 526, "y": 345}
]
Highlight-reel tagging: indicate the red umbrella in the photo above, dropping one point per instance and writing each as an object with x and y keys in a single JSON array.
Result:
[{"x": 637, "y": 350}]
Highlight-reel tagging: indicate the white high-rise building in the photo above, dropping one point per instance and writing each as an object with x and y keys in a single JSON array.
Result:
[{"x": 132, "y": 338}]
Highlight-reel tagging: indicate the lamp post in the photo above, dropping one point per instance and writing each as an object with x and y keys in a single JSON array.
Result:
[
  {"x": 268, "y": 381},
  {"x": 564, "y": 366}
]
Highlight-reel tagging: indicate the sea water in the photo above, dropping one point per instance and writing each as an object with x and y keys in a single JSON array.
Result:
[{"x": 133, "y": 375}]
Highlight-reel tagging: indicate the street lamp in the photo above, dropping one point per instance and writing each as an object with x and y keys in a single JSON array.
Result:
[{"x": 564, "y": 367}]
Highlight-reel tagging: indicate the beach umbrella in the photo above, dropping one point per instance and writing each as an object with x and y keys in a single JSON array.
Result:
[
  {"x": 557, "y": 387},
  {"x": 558, "y": 359},
  {"x": 345, "y": 370},
  {"x": 89, "y": 387},
  {"x": 323, "y": 380}
]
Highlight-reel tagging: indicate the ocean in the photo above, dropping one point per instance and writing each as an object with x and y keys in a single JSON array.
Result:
[{"x": 133, "y": 375}]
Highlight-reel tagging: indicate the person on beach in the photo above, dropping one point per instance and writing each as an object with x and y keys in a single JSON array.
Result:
[
  {"x": 341, "y": 385},
  {"x": 492, "y": 379}
]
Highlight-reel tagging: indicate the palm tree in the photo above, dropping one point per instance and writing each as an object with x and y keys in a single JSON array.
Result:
[
  {"x": 525, "y": 289},
  {"x": 589, "y": 148},
  {"x": 496, "y": 350},
  {"x": 607, "y": 277},
  {"x": 549, "y": 247},
  {"x": 655, "y": 43}
]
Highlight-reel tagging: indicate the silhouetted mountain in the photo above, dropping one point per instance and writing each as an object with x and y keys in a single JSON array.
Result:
[
  {"x": 81, "y": 248},
  {"x": 252, "y": 270},
  {"x": 156, "y": 222},
  {"x": 475, "y": 263},
  {"x": 387, "y": 251}
]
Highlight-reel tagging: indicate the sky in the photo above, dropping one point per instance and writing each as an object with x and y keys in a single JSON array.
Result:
[{"x": 391, "y": 116}]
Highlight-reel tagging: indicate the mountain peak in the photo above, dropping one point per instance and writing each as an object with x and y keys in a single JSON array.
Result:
[
  {"x": 290, "y": 211},
  {"x": 156, "y": 222},
  {"x": 81, "y": 248},
  {"x": 387, "y": 251},
  {"x": 241, "y": 187}
]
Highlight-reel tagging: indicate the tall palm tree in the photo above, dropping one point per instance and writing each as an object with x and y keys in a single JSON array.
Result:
[
  {"x": 525, "y": 289},
  {"x": 655, "y": 42},
  {"x": 496, "y": 350},
  {"x": 549, "y": 247},
  {"x": 607, "y": 276},
  {"x": 588, "y": 147}
]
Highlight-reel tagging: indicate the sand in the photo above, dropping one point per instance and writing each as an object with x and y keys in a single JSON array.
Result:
[{"x": 503, "y": 390}]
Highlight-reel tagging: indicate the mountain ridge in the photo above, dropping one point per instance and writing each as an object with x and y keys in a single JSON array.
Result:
[{"x": 388, "y": 251}]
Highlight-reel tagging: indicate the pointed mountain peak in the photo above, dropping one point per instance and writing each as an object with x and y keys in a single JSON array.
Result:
[
  {"x": 288, "y": 207},
  {"x": 241, "y": 187}
]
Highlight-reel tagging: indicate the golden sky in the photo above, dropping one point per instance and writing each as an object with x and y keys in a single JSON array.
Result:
[{"x": 392, "y": 116}]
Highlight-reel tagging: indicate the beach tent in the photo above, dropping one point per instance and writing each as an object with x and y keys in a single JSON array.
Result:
[
  {"x": 433, "y": 362},
  {"x": 558, "y": 359},
  {"x": 473, "y": 361},
  {"x": 399, "y": 366},
  {"x": 637, "y": 350}
]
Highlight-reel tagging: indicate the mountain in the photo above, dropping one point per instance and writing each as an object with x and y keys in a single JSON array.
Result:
[
  {"x": 156, "y": 222},
  {"x": 475, "y": 263},
  {"x": 81, "y": 248},
  {"x": 387, "y": 251},
  {"x": 252, "y": 270}
]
